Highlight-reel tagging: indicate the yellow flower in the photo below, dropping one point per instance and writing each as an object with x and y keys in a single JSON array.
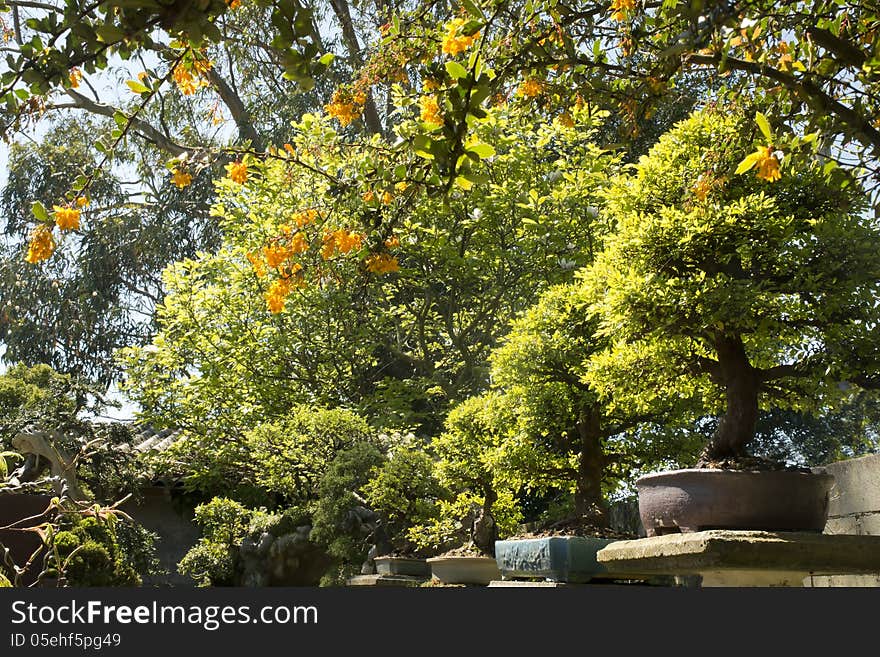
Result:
[
  {"x": 277, "y": 294},
  {"x": 387, "y": 198},
  {"x": 430, "y": 84},
  {"x": 382, "y": 263},
  {"x": 431, "y": 111},
  {"x": 237, "y": 171},
  {"x": 305, "y": 217},
  {"x": 75, "y": 77},
  {"x": 82, "y": 201},
  {"x": 566, "y": 120},
  {"x": 66, "y": 218},
  {"x": 185, "y": 81},
  {"x": 368, "y": 196},
  {"x": 233, "y": 4},
  {"x": 392, "y": 242},
  {"x": 454, "y": 42},
  {"x": 346, "y": 107},
  {"x": 181, "y": 178},
  {"x": 257, "y": 263},
  {"x": 401, "y": 186},
  {"x": 768, "y": 166},
  {"x": 276, "y": 254},
  {"x": 621, "y": 8},
  {"x": 299, "y": 244},
  {"x": 531, "y": 87},
  {"x": 42, "y": 244}
]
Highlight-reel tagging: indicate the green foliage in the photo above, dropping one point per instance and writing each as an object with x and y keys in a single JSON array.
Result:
[
  {"x": 290, "y": 456},
  {"x": 703, "y": 259},
  {"x": 400, "y": 348},
  {"x": 86, "y": 551},
  {"x": 224, "y": 523},
  {"x": 404, "y": 491},
  {"x": 335, "y": 522}
]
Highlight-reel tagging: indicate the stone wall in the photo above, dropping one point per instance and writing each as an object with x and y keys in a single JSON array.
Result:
[
  {"x": 854, "y": 508},
  {"x": 174, "y": 524}
]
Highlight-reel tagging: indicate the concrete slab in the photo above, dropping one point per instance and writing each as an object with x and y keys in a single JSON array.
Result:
[
  {"x": 856, "y": 486},
  {"x": 384, "y": 580},
  {"x": 745, "y": 558}
]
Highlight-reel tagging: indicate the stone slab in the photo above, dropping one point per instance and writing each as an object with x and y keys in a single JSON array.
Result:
[
  {"x": 864, "y": 524},
  {"x": 384, "y": 580},
  {"x": 515, "y": 584},
  {"x": 789, "y": 553},
  {"x": 856, "y": 486},
  {"x": 823, "y": 581}
]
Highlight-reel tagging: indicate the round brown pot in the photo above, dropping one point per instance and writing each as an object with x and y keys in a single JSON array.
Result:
[{"x": 699, "y": 499}]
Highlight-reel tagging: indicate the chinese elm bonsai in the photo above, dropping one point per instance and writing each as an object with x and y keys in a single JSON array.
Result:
[{"x": 732, "y": 285}]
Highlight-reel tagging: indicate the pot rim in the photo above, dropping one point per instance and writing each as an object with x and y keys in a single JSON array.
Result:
[
  {"x": 459, "y": 559},
  {"x": 658, "y": 477}
]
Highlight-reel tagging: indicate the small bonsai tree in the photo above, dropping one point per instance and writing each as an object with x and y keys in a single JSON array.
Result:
[
  {"x": 478, "y": 510},
  {"x": 557, "y": 433},
  {"x": 736, "y": 286}
]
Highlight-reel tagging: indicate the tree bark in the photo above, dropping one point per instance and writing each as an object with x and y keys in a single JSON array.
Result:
[
  {"x": 588, "y": 498},
  {"x": 743, "y": 383}
]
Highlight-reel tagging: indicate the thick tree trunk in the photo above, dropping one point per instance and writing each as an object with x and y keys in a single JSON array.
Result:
[
  {"x": 588, "y": 498},
  {"x": 743, "y": 383}
]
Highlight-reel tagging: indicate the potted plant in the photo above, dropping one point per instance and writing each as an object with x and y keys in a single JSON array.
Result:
[
  {"x": 550, "y": 436},
  {"x": 475, "y": 510},
  {"x": 403, "y": 492},
  {"x": 746, "y": 285}
]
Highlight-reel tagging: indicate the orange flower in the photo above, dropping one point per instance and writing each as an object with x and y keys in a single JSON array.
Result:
[
  {"x": 621, "y": 8},
  {"x": 276, "y": 254},
  {"x": 431, "y": 111},
  {"x": 181, "y": 178},
  {"x": 75, "y": 77},
  {"x": 42, "y": 244},
  {"x": 455, "y": 42},
  {"x": 66, "y": 218},
  {"x": 531, "y": 87},
  {"x": 233, "y": 4},
  {"x": 768, "y": 166},
  {"x": 237, "y": 172},
  {"x": 382, "y": 263},
  {"x": 257, "y": 263}
]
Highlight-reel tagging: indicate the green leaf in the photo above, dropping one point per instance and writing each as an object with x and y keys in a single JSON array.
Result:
[
  {"x": 456, "y": 71},
  {"x": 39, "y": 211},
  {"x": 137, "y": 87},
  {"x": 327, "y": 59},
  {"x": 473, "y": 9},
  {"x": 750, "y": 161},
  {"x": 764, "y": 125},
  {"x": 481, "y": 150}
]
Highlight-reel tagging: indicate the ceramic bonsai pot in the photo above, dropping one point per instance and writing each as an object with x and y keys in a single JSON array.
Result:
[
  {"x": 402, "y": 566},
  {"x": 464, "y": 570},
  {"x": 554, "y": 558},
  {"x": 699, "y": 499}
]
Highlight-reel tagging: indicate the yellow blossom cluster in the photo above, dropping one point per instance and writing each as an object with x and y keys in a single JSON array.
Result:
[
  {"x": 454, "y": 42},
  {"x": 340, "y": 241},
  {"x": 75, "y": 77},
  {"x": 382, "y": 263},
  {"x": 531, "y": 87},
  {"x": 237, "y": 172},
  {"x": 768, "y": 165},
  {"x": 305, "y": 217},
  {"x": 66, "y": 218},
  {"x": 181, "y": 178},
  {"x": 186, "y": 81},
  {"x": 620, "y": 9},
  {"x": 42, "y": 244},
  {"x": 346, "y": 106},
  {"x": 430, "y": 111}
]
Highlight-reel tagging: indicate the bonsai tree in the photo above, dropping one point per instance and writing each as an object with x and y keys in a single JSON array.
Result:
[
  {"x": 478, "y": 510},
  {"x": 558, "y": 433},
  {"x": 733, "y": 280}
]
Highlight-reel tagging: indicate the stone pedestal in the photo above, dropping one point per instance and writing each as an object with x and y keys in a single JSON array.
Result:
[
  {"x": 745, "y": 558},
  {"x": 384, "y": 580}
]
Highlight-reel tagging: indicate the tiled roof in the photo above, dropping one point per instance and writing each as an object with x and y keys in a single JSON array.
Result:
[{"x": 149, "y": 439}]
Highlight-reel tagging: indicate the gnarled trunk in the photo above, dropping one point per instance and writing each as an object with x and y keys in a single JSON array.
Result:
[
  {"x": 588, "y": 498},
  {"x": 743, "y": 384}
]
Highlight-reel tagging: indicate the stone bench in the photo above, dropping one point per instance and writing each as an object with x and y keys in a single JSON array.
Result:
[{"x": 745, "y": 558}]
